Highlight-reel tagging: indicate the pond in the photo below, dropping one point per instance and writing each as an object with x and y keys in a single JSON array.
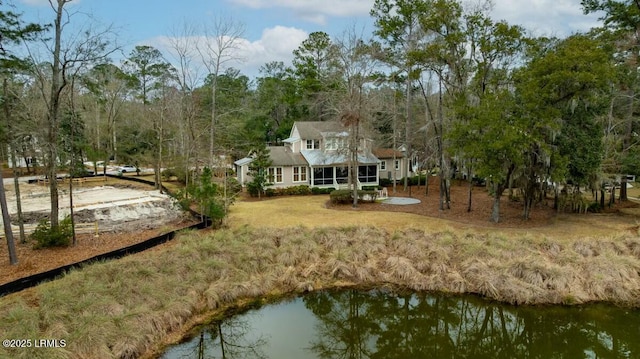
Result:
[{"x": 385, "y": 325}]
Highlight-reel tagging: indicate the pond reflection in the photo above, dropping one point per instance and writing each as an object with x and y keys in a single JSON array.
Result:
[{"x": 354, "y": 324}]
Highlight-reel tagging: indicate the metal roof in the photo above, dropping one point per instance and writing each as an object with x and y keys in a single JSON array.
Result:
[
  {"x": 319, "y": 158},
  {"x": 243, "y": 161}
]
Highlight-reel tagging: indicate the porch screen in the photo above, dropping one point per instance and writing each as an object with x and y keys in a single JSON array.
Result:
[
  {"x": 322, "y": 176},
  {"x": 368, "y": 174},
  {"x": 342, "y": 175}
]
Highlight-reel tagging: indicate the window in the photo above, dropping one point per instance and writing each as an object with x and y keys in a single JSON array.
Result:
[
  {"x": 274, "y": 175},
  {"x": 342, "y": 175},
  {"x": 322, "y": 176},
  {"x": 397, "y": 165},
  {"x": 331, "y": 144},
  {"x": 313, "y": 144},
  {"x": 334, "y": 143},
  {"x": 368, "y": 174},
  {"x": 383, "y": 165},
  {"x": 299, "y": 174}
]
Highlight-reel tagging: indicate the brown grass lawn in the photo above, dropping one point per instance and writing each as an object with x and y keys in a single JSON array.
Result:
[{"x": 315, "y": 211}]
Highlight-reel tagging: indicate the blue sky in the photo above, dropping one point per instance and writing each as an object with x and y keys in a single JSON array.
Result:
[{"x": 274, "y": 28}]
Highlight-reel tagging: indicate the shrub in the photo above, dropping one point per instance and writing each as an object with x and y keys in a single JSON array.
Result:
[
  {"x": 254, "y": 189},
  {"x": 594, "y": 207},
  {"x": 385, "y": 182},
  {"x": 341, "y": 196},
  {"x": 318, "y": 190},
  {"x": 301, "y": 190},
  {"x": 233, "y": 186},
  {"x": 178, "y": 173},
  {"x": 47, "y": 236},
  {"x": 345, "y": 196},
  {"x": 414, "y": 181},
  {"x": 371, "y": 188}
]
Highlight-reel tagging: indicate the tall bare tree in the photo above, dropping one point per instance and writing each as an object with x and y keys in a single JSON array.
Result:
[
  {"x": 356, "y": 63},
  {"x": 218, "y": 48},
  {"x": 86, "y": 46},
  {"x": 183, "y": 45}
]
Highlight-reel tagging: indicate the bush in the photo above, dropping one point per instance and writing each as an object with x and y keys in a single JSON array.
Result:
[
  {"x": 594, "y": 207},
  {"x": 254, "y": 189},
  {"x": 413, "y": 181},
  {"x": 233, "y": 186},
  {"x": 385, "y": 182},
  {"x": 371, "y": 188},
  {"x": 301, "y": 190},
  {"x": 318, "y": 190},
  {"x": 341, "y": 196},
  {"x": 344, "y": 196},
  {"x": 58, "y": 236}
]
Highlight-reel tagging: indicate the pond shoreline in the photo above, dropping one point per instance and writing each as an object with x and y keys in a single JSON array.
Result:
[{"x": 135, "y": 306}]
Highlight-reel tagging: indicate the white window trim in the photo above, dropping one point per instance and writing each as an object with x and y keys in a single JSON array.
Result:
[
  {"x": 383, "y": 165},
  {"x": 275, "y": 174},
  {"x": 315, "y": 144},
  {"x": 397, "y": 165},
  {"x": 293, "y": 174}
]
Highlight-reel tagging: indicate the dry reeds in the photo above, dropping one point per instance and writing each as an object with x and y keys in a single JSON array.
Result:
[{"x": 124, "y": 308}]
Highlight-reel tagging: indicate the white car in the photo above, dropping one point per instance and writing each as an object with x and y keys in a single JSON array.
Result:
[{"x": 127, "y": 168}]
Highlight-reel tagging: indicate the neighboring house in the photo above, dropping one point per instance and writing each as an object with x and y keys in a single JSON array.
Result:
[
  {"x": 316, "y": 154},
  {"x": 392, "y": 163}
]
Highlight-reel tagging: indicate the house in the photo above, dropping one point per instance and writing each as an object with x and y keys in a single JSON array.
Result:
[
  {"x": 392, "y": 163},
  {"x": 316, "y": 154}
]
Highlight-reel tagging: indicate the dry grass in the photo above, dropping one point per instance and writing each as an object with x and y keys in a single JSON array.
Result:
[{"x": 131, "y": 307}]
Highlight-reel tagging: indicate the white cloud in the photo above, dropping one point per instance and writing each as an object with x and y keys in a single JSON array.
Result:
[
  {"x": 315, "y": 11},
  {"x": 545, "y": 17},
  {"x": 35, "y": 2},
  {"x": 276, "y": 44}
]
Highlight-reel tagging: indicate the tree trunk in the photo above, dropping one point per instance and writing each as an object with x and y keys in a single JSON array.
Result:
[
  {"x": 12, "y": 150},
  {"x": 470, "y": 188},
  {"x": 499, "y": 189},
  {"x": 212, "y": 130},
  {"x": 158, "y": 166},
  {"x": 57, "y": 84},
  {"x": 623, "y": 188},
  {"x": 6, "y": 220},
  {"x": 495, "y": 212},
  {"x": 612, "y": 198},
  {"x": 16, "y": 184}
]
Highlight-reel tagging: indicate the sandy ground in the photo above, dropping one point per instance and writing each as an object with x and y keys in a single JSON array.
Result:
[
  {"x": 109, "y": 204},
  {"x": 117, "y": 214}
]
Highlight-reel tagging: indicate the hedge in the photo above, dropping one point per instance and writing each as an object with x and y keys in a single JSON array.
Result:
[{"x": 345, "y": 196}]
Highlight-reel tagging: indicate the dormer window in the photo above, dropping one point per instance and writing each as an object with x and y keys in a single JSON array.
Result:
[
  {"x": 313, "y": 144},
  {"x": 334, "y": 143}
]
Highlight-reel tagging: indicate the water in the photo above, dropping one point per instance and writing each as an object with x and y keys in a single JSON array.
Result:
[{"x": 355, "y": 324}]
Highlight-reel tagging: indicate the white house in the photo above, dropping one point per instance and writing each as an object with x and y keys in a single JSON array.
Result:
[{"x": 316, "y": 154}]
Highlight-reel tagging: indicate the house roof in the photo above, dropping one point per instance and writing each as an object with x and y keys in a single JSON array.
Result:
[
  {"x": 283, "y": 156},
  {"x": 243, "y": 161},
  {"x": 319, "y": 158},
  {"x": 290, "y": 140},
  {"x": 387, "y": 153},
  {"x": 313, "y": 130}
]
